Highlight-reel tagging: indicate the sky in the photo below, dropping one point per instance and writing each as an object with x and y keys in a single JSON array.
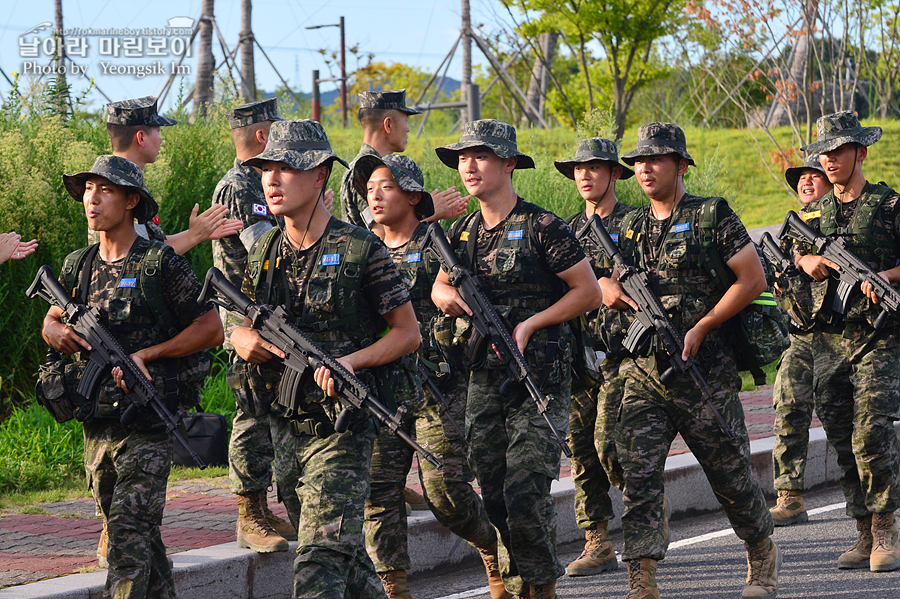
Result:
[{"x": 415, "y": 32}]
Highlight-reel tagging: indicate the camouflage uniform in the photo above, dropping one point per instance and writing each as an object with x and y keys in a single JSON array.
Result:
[
  {"x": 250, "y": 452},
  {"x": 329, "y": 473},
  {"x": 447, "y": 490},
  {"x": 354, "y": 208},
  {"x": 127, "y": 466}
]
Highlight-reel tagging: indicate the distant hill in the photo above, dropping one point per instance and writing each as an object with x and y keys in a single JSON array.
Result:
[{"x": 329, "y": 94}]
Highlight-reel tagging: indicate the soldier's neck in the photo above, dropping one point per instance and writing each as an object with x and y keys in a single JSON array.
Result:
[
  {"x": 115, "y": 244},
  {"x": 397, "y": 234},
  {"x": 662, "y": 207},
  {"x": 378, "y": 143},
  {"x": 305, "y": 227},
  {"x": 852, "y": 189},
  {"x": 604, "y": 207},
  {"x": 497, "y": 206},
  {"x": 134, "y": 156}
]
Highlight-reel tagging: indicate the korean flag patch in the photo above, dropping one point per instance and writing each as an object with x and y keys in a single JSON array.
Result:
[{"x": 260, "y": 210}]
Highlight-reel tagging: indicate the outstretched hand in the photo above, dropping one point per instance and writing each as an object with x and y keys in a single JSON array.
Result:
[{"x": 12, "y": 247}]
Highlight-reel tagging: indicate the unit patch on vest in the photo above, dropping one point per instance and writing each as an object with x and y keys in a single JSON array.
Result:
[
  {"x": 413, "y": 258},
  {"x": 514, "y": 234},
  {"x": 811, "y": 215},
  {"x": 260, "y": 209},
  {"x": 614, "y": 237},
  {"x": 464, "y": 236},
  {"x": 331, "y": 259},
  {"x": 127, "y": 282},
  {"x": 681, "y": 228}
]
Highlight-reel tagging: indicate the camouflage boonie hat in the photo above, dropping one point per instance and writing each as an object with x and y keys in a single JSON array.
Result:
[
  {"x": 119, "y": 171},
  {"x": 835, "y": 130},
  {"x": 389, "y": 99},
  {"x": 254, "y": 112},
  {"x": 300, "y": 144},
  {"x": 658, "y": 139},
  {"x": 497, "y": 136},
  {"x": 407, "y": 175},
  {"x": 140, "y": 111},
  {"x": 793, "y": 174},
  {"x": 590, "y": 150}
]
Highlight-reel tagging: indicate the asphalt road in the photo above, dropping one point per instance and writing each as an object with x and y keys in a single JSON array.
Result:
[{"x": 706, "y": 560}]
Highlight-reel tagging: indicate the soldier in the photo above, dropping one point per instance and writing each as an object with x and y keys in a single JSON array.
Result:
[
  {"x": 595, "y": 170},
  {"x": 792, "y": 395},
  {"x": 856, "y": 366},
  {"x": 384, "y": 117},
  {"x": 662, "y": 239},
  {"x": 340, "y": 283},
  {"x": 13, "y": 248},
  {"x": 398, "y": 201},
  {"x": 134, "y": 132},
  {"x": 250, "y": 452},
  {"x": 522, "y": 255},
  {"x": 127, "y": 465}
]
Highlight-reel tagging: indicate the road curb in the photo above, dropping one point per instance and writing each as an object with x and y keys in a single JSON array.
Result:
[{"x": 226, "y": 571}]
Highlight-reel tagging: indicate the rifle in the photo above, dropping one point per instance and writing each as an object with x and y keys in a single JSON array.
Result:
[
  {"x": 301, "y": 352},
  {"x": 439, "y": 399},
  {"x": 489, "y": 324},
  {"x": 785, "y": 264},
  {"x": 106, "y": 353},
  {"x": 852, "y": 271},
  {"x": 651, "y": 317}
]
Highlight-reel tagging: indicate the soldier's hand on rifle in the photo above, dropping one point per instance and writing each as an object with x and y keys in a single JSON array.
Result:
[
  {"x": 61, "y": 337},
  {"x": 522, "y": 334},
  {"x": 614, "y": 296},
  {"x": 816, "y": 266},
  {"x": 250, "y": 345},
  {"x": 693, "y": 339},
  {"x": 869, "y": 291},
  {"x": 447, "y": 298},
  {"x": 323, "y": 379},
  {"x": 119, "y": 376}
]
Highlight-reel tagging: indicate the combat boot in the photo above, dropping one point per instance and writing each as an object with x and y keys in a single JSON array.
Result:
[
  {"x": 858, "y": 555},
  {"x": 763, "y": 562},
  {"x": 281, "y": 526},
  {"x": 642, "y": 579},
  {"x": 885, "y": 543},
  {"x": 395, "y": 585},
  {"x": 103, "y": 547},
  {"x": 789, "y": 509},
  {"x": 253, "y": 530},
  {"x": 543, "y": 591},
  {"x": 598, "y": 555},
  {"x": 414, "y": 499},
  {"x": 492, "y": 567}
]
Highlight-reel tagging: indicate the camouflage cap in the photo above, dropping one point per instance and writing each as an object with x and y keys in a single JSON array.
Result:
[
  {"x": 657, "y": 139},
  {"x": 140, "y": 111},
  {"x": 254, "y": 112},
  {"x": 389, "y": 99},
  {"x": 300, "y": 144},
  {"x": 119, "y": 171},
  {"x": 792, "y": 175},
  {"x": 407, "y": 175},
  {"x": 835, "y": 130},
  {"x": 497, "y": 136},
  {"x": 590, "y": 150}
]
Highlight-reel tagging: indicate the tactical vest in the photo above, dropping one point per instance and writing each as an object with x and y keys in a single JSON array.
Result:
[
  {"x": 419, "y": 270},
  {"x": 138, "y": 317}
]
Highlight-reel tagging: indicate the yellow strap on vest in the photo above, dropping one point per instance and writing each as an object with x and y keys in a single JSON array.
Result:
[{"x": 811, "y": 215}]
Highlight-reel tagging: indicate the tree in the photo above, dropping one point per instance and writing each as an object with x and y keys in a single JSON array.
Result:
[
  {"x": 625, "y": 29},
  {"x": 203, "y": 92},
  {"x": 248, "y": 73}
]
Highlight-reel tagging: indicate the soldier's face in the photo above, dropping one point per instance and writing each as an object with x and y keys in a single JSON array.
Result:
[
  {"x": 594, "y": 179},
  {"x": 106, "y": 204},
  {"x": 399, "y": 133},
  {"x": 151, "y": 144},
  {"x": 483, "y": 172},
  {"x": 813, "y": 185},
  {"x": 389, "y": 204},
  {"x": 841, "y": 163},
  {"x": 288, "y": 190},
  {"x": 658, "y": 175}
]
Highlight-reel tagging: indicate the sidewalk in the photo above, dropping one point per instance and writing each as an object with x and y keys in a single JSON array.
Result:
[{"x": 53, "y": 540}]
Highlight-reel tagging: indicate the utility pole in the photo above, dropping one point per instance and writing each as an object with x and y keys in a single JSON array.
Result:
[
  {"x": 466, "y": 59},
  {"x": 248, "y": 72},
  {"x": 316, "y": 103},
  {"x": 203, "y": 92},
  {"x": 62, "y": 99},
  {"x": 343, "y": 77}
]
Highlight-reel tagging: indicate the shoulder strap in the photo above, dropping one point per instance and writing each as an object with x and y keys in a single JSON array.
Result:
[
  {"x": 152, "y": 288},
  {"x": 707, "y": 227},
  {"x": 473, "y": 222},
  {"x": 77, "y": 272},
  {"x": 261, "y": 260}
]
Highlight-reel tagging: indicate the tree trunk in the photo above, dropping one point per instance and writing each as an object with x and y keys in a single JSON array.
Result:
[
  {"x": 248, "y": 76},
  {"x": 203, "y": 92},
  {"x": 537, "y": 85},
  {"x": 62, "y": 99},
  {"x": 466, "y": 58}
]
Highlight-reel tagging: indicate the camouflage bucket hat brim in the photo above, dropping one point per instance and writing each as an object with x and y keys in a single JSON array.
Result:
[
  {"x": 659, "y": 139},
  {"x": 792, "y": 175},
  {"x": 835, "y": 130},
  {"x": 119, "y": 171},
  {"x": 590, "y": 150},
  {"x": 497, "y": 136},
  {"x": 300, "y": 144},
  {"x": 406, "y": 173}
]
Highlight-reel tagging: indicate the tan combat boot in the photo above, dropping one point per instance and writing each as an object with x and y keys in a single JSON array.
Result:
[
  {"x": 858, "y": 555},
  {"x": 253, "y": 530},
  {"x": 103, "y": 547},
  {"x": 414, "y": 499},
  {"x": 763, "y": 562},
  {"x": 543, "y": 591},
  {"x": 642, "y": 579},
  {"x": 281, "y": 526},
  {"x": 885, "y": 543},
  {"x": 492, "y": 567},
  {"x": 789, "y": 509},
  {"x": 395, "y": 585},
  {"x": 598, "y": 555}
]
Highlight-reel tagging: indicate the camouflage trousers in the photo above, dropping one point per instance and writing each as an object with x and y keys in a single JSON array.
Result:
[
  {"x": 324, "y": 484},
  {"x": 127, "y": 473},
  {"x": 592, "y": 422},
  {"x": 793, "y": 401},
  {"x": 250, "y": 454},
  {"x": 652, "y": 415},
  {"x": 515, "y": 458},
  {"x": 448, "y": 491},
  {"x": 857, "y": 388}
]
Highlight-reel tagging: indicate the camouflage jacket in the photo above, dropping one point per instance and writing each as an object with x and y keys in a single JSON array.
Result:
[{"x": 354, "y": 207}]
